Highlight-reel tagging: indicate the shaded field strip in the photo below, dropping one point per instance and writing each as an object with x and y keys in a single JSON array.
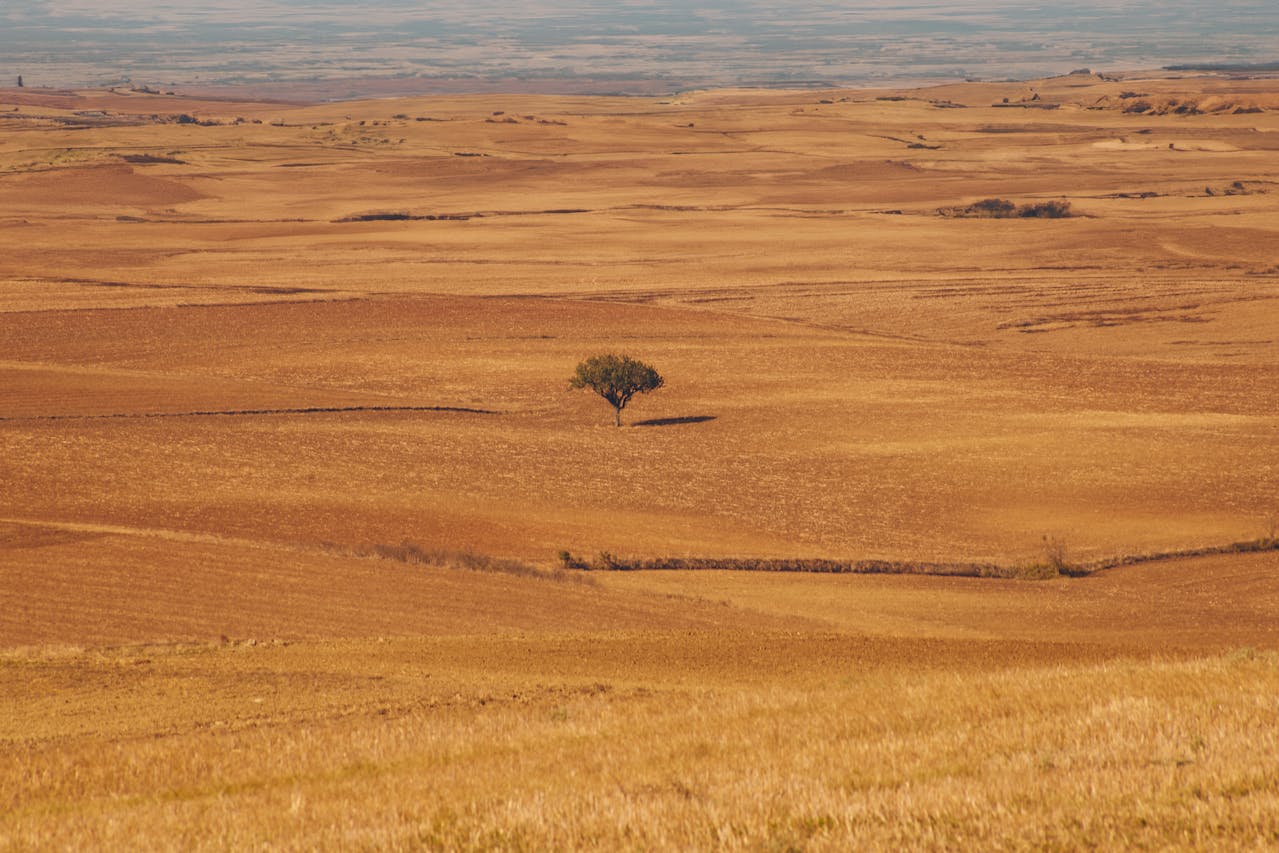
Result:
[
  {"x": 1033, "y": 571},
  {"x": 310, "y": 410}
]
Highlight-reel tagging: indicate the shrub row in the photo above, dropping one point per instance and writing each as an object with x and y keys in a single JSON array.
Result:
[
  {"x": 1054, "y": 565},
  {"x": 610, "y": 562}
]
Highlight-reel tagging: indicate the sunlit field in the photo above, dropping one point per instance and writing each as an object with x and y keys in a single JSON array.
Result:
[{"x": 296, "y": 495}]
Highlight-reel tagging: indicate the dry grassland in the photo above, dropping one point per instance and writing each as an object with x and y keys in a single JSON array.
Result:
[
  {"x": 727, "y": 740},
  {"x": 227, "y": 378}
]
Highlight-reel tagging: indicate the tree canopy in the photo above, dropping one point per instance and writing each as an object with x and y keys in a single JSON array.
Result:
[{"x": 616, "y": 378}]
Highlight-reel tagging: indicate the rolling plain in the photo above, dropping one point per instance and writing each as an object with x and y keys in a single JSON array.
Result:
[{"x": 288, "y": 457}]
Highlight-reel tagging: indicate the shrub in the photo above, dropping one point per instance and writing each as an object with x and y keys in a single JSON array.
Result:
[
  {"x": 997, "y": 208},
  {"x": 1045, "y": 210},
  {"x": 608, "y": 562},
  {"x": 1001, "y": 208},
  {"x": 568, "y": 561}
]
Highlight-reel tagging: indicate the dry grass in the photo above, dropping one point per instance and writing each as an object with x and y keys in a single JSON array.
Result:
[
  {"x": 1177, "y": 754},
  {"x": 744, "y": 710}
]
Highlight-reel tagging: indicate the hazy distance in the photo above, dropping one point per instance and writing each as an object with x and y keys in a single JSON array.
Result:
[{"x": 594, "y": 45}]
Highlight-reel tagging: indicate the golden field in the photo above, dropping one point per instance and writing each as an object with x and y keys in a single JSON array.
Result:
[{"x": 240, "y": 354}]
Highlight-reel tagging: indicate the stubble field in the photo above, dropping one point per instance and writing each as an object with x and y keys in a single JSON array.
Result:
[{"x": 245, "y": 359}]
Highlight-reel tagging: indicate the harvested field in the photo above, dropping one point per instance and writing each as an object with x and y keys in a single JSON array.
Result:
[
  {"x": 454, "y": 411},
  {"x": 289, "y": 460},
  {"x": 743, "y": 710}
]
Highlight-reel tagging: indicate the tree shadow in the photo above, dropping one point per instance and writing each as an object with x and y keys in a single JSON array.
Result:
[{"x": 691, "y": 419}]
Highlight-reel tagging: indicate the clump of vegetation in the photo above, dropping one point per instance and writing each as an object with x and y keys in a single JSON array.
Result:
[
  {"x": 1235, "y": 188},
  {"x": 1054, "y": 209},
  {"x": 616, "y": 378},
  {"x": 993, "y": 208},
  {"x": 1053, "y": 565},
  {"x": 387, "y": 216},
  {"x": 410, "y": 552},
  {"x": 150, "y": 159},
  {"x": 1000, "y": 208},
  {"x": 568, "y": 561}
]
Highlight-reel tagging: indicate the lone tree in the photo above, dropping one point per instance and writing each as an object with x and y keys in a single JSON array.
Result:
[{"x": 616, "y": 378}]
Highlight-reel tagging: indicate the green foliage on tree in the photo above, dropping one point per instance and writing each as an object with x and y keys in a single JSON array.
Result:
[{"x": 616, "y": 378}]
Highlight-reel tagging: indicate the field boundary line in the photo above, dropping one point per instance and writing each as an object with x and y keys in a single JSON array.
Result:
[
  {"x": 304, "y": 410},
  {"x": 1030, "y": 571}
]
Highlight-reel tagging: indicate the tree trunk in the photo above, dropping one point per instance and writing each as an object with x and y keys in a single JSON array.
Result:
[{"x": 617, "y": 417}]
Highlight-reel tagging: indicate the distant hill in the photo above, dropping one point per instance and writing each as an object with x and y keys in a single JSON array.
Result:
[
  {"x": 599, "y": 46},
  {"x": 1232, "y": 67}
]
